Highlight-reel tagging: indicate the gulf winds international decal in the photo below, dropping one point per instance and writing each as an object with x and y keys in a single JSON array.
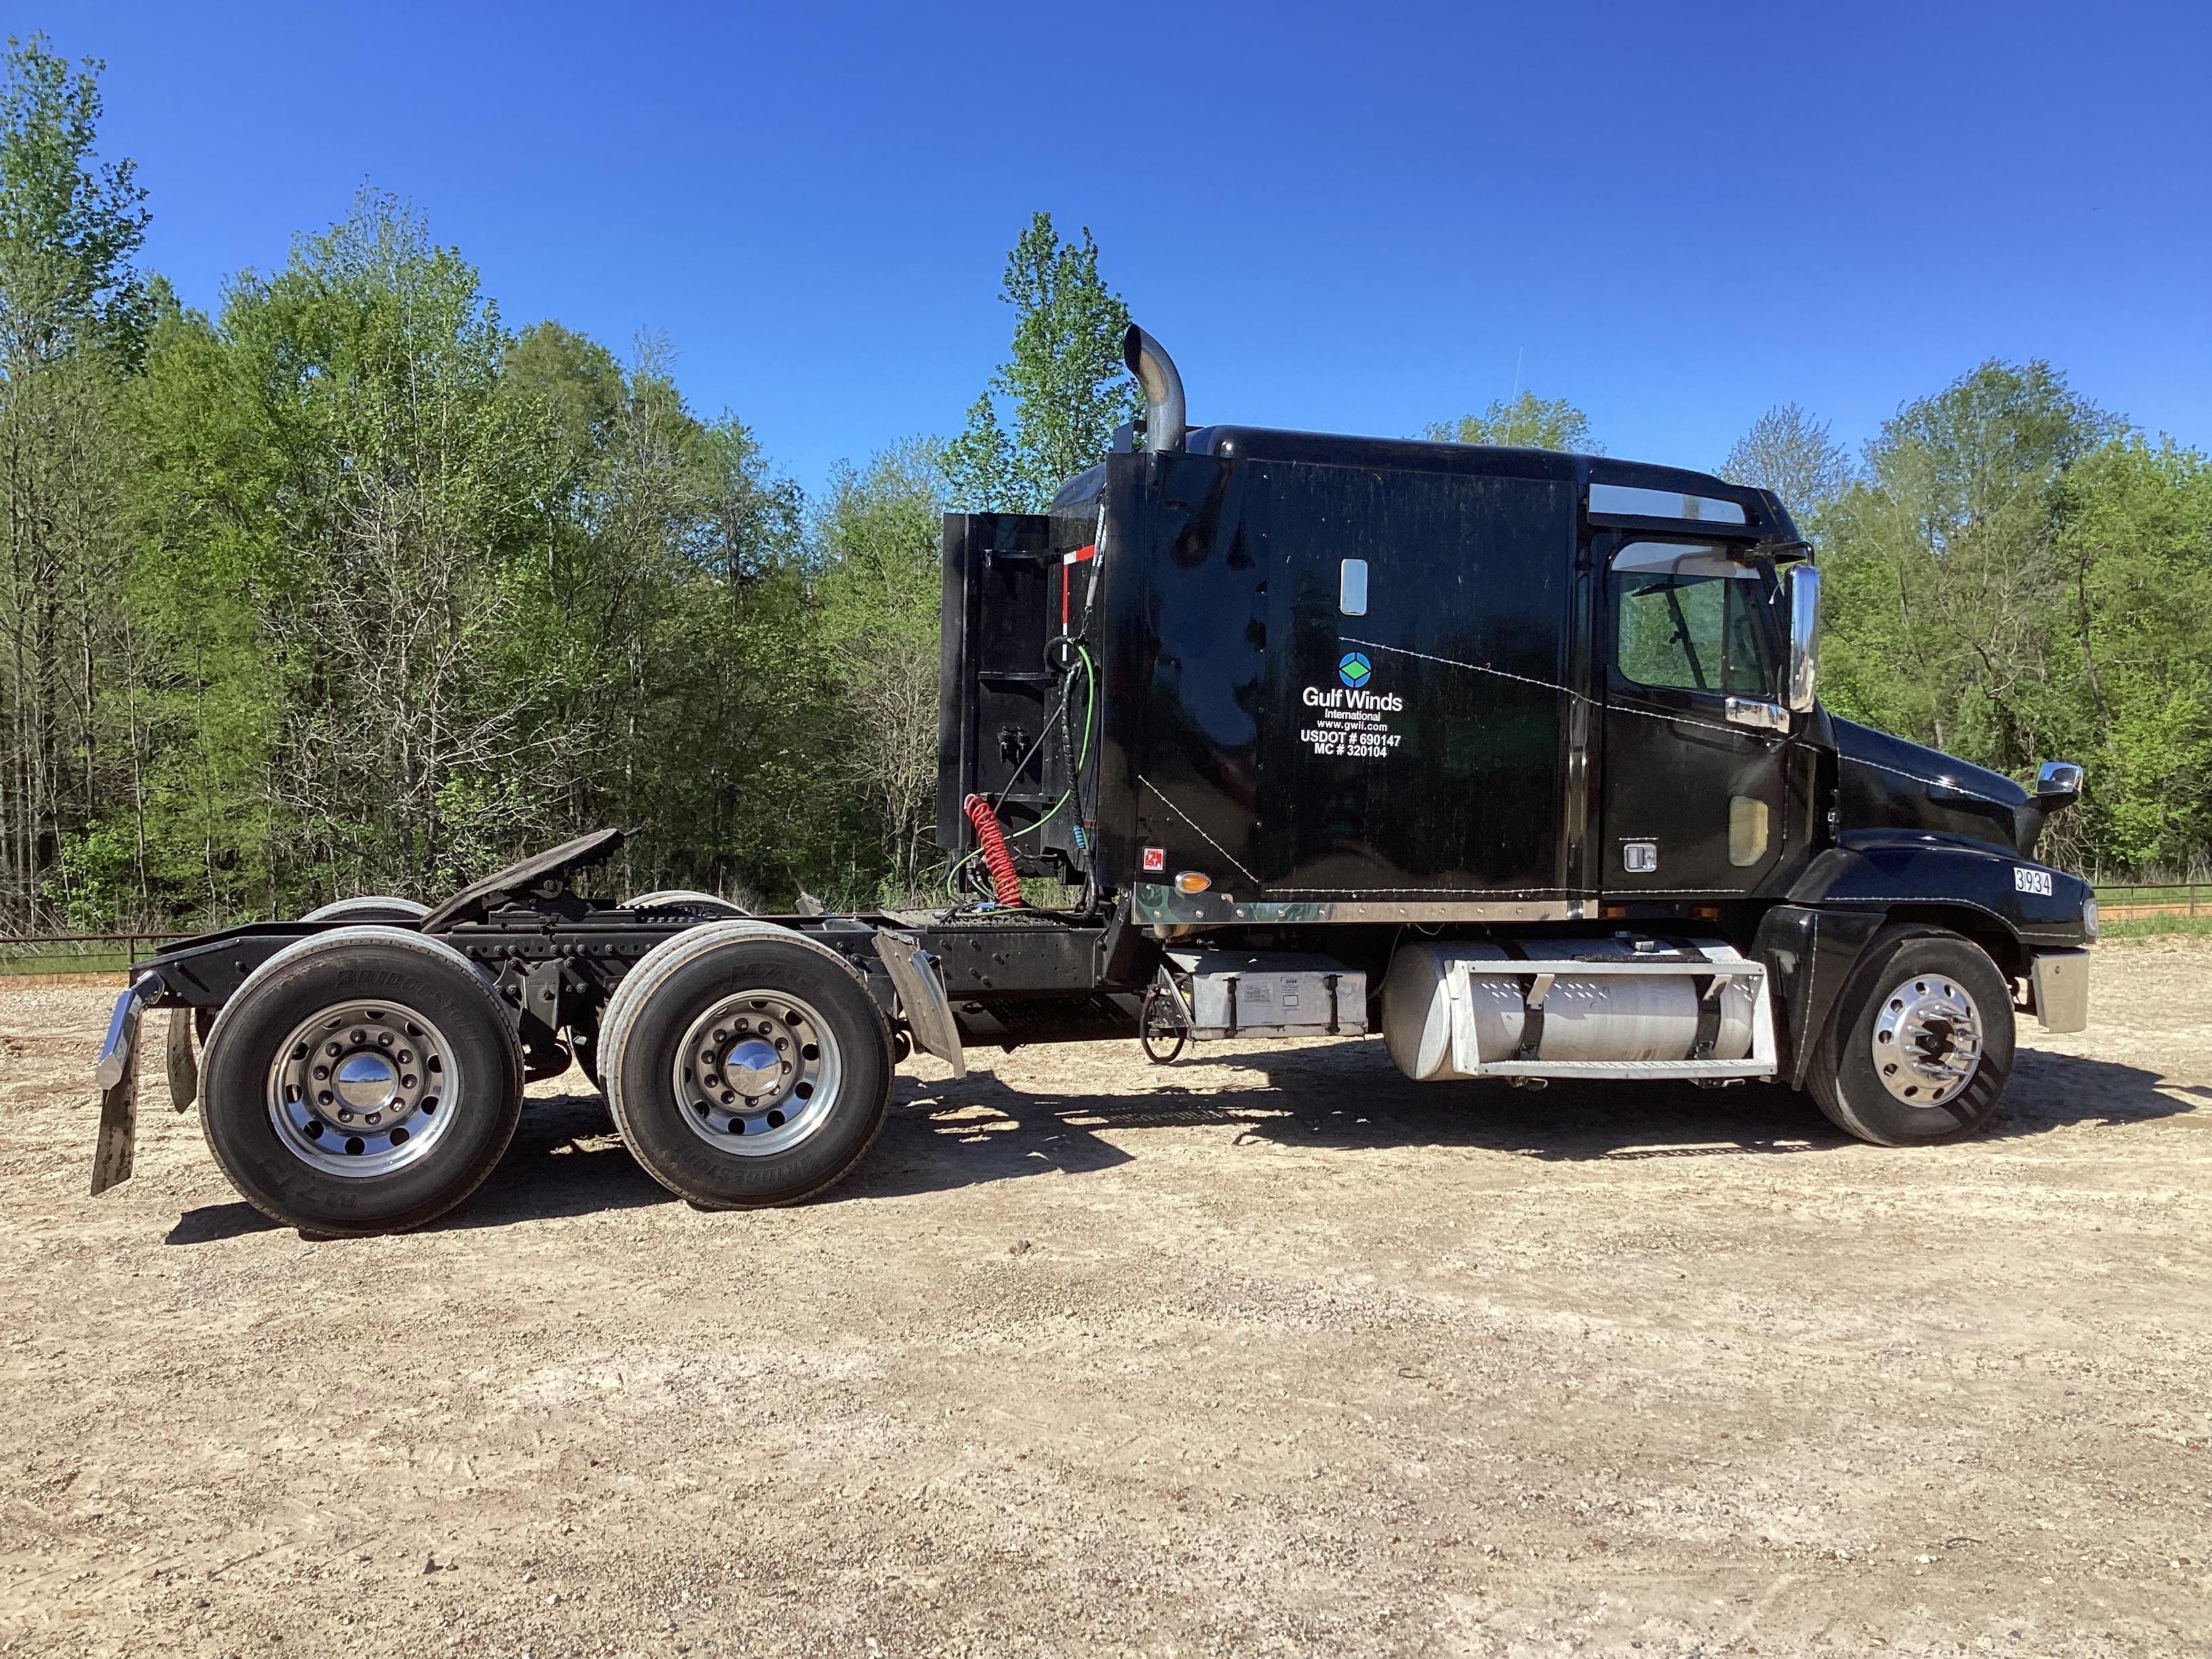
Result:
[{"x": 1351, "y": 719}]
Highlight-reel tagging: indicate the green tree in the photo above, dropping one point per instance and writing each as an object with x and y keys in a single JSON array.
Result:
[
  {"x": 1794, "y": 455},
  {"x": 878, "y": 533},
  {"x": 1526, "y": 422},
  {"x": 665, "y": 626},
  {"x": 70, "y": 226},
  {"x": 204, "y": 505},
  {"x": 1064, "y": 377},
  {"x": 2132, "y": 660},
  {"x": 384, "y": 489},
  {"x": 73, "y": 310},
  {"x": 1945, "y": 582}
]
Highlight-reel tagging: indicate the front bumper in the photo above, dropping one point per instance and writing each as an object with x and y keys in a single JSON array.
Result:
[{"x": 2058, "y": 985}]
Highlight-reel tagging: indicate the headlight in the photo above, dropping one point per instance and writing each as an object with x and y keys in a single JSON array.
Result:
[{"x": 2089, "y": 918}]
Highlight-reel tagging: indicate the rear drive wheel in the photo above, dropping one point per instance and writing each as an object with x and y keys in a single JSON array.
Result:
[
  {"x": 1923, "y": 1041},
  {"x": 363, "y": 1081},
  {"x": 745, "y": 1066}
]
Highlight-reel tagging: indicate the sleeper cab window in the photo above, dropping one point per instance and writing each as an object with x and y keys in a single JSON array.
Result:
[
  {"x": 1351, "y": 587},
  {"x": 1686, "y": 617}
]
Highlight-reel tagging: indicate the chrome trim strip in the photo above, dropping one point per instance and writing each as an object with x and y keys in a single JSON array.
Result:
[
  {"x": 1625, "y": 1068},
  {"x": 1157, "y": 905},
  {"x": 1602, "y": 967},
  {"x": 115, "y": 1053}
]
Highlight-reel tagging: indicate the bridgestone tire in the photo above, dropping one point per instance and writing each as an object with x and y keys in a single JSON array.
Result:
[
  {"x": 369, "y": 907},
  {"x": 1844, "y": 1079},
  {"x": 361, "y": 965},
  {"x": 678, "y": 984}
]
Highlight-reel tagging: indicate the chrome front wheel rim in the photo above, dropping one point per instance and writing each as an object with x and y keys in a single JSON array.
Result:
[
  {"x": 757, "y": 1073},
  {"x": 1927, "y": 1040},
  {"x": 363, "y": 1089}
]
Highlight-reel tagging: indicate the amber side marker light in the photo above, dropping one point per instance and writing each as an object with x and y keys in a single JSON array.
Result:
[{"x": 1190, "y": 881}]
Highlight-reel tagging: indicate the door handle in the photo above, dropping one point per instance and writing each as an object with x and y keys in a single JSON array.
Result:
[
  {"x": 1706, "y": 733},
  {"x": 1759, "y": 716}
]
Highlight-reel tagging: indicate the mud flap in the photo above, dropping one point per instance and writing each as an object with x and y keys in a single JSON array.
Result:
[
  {"x": 921, "y": 998},
  {"x": 117, "y": 1074},
  {"x": 184, "y": 1060}
]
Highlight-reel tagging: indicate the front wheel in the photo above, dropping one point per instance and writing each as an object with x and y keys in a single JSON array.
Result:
[
  {"x": 1922, "y": 1040},
  {"x": 745, "y": 1066}
]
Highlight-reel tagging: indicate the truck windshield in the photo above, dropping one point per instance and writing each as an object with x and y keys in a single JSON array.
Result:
[{"x": 1688, "y": 618}]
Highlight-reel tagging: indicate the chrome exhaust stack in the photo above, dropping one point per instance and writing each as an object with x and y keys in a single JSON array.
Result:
[{"x": 1156, "y": 372}]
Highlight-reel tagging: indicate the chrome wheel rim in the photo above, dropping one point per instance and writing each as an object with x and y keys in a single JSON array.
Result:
[
  {"x": 363, "y": 1089},
  {"x": 757, "y": 1073},
  {"x": 1927, "y": 1040}
]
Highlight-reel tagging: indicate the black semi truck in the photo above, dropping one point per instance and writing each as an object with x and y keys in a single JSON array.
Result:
[{"x": 1509, "y": 756}]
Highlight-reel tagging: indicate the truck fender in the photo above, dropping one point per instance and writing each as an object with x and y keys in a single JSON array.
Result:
[
  {"x": 1811, "y": 943},
  {"x": 1809, "y": 952},
  {"x": 2031, "y": 904}
]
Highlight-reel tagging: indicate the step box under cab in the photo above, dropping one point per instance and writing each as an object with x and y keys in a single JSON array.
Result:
[{"x": 1269, "y": 993}]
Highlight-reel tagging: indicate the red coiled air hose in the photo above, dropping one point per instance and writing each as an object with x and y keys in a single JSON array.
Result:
[{"x": 991, "y": 841}]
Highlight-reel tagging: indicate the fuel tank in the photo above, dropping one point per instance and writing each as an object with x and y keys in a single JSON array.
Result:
[{"x": 1632, "y": 1018}]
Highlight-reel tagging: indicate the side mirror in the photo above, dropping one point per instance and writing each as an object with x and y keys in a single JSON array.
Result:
[
  {"x": 1801, "y": 586},
  {"x": 2057, "y": 783}
]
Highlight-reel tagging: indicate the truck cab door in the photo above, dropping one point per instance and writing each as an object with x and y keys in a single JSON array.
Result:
[{"x": 1696, "y": 737}]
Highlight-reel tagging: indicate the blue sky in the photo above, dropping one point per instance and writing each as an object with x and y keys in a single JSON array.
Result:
[{"x": 1351, "y": 218}]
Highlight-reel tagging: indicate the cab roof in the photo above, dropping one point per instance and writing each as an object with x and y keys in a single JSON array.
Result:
[{"x": 1631, "y": 494}]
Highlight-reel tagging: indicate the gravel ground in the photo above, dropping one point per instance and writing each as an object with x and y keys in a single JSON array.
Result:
[{"x": 1269, "y": 1352}]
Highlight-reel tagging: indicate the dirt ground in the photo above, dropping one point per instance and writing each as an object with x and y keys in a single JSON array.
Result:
[{"x": 1270, "y": 1352}]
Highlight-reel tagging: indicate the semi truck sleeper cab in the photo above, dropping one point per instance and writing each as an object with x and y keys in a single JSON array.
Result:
[{"x": 1511, "y": 757}]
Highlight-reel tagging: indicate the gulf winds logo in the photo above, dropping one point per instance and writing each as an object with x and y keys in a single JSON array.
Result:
[
  {"x": 1354, "y": 690},
  {"x": 1351, "y": 720}
]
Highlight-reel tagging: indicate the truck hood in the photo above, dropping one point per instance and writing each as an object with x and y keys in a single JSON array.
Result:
[{"x": 1885, "y": 782}]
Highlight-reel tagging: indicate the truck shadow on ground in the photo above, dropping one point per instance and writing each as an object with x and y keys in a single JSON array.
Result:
[
  {"x": 567, "y": 1161},
  {"x": 1349, "y": 1096}
]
